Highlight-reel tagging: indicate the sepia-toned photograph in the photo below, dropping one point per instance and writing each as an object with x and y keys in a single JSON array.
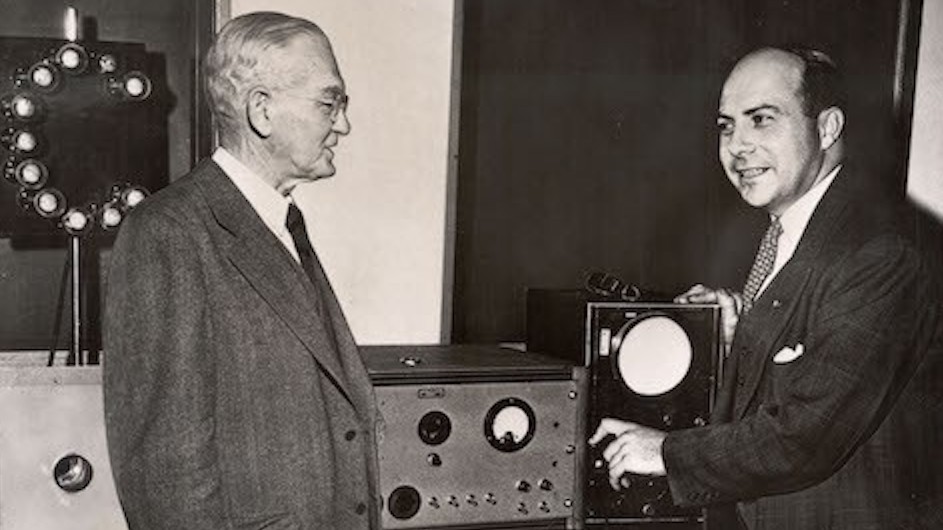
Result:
[{"x": 471, "y": 265}]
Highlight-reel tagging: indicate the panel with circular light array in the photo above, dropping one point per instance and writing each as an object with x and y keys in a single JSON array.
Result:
[{"x": 83, "y": 134}]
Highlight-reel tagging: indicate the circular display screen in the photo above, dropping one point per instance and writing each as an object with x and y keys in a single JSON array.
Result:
[{"x": 654, "y": 355}]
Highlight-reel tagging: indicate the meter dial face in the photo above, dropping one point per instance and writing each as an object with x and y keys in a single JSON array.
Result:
[
  {"x": 653, "y": 355},
  {"x": 510, "y": 425}
]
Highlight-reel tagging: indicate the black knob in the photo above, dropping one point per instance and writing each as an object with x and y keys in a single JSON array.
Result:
[
  {"x": 546, "y": 485},
  {"x": 523, "y": 485},
  {"x": 434, "y": 427},
  {"x": 404, "y": 502},
  {"x": 434, "y": 459}
]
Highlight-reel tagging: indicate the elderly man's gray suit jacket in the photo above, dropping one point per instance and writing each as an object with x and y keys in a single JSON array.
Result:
[{"x": 231, "y": 402}]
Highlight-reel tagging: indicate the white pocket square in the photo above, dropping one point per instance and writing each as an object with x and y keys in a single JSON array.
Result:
[{"x": 787, "y": 354}]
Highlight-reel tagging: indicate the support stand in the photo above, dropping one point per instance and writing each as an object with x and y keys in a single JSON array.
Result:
[{"x": 76, "y": 353}]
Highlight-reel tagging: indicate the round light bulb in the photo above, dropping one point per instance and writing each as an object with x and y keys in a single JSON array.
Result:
[
  {"x": 24, "y": 141},
  {"x": 23, "y": 107},
  {"x": 76, "y": 220},
  {"x": 111, "y": 217},
  {"x": 70, "y": 59},
  {"x": 47, "y": 203},
  {"x": 134, "y": 197},
  {"x": 135, "y": 87},
  {"x": 30, "y": 173},
  {"x": 43, "y": 76},
  {"x": 107, "y": 64}
]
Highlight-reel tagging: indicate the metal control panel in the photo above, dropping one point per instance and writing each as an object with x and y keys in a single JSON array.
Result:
[
  {"x": 469, "y": 442},
  {"x": 54, "y": 467}
]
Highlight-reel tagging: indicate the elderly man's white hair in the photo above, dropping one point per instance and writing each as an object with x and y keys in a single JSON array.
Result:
[{"x": 244, "y": 55}]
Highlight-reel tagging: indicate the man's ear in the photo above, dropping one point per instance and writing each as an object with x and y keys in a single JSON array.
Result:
[
  {"x": 831, "y": 124},
  {"x": 258, "y": 111}
]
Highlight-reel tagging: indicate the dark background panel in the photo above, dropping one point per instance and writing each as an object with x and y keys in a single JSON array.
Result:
[
  {"x": 588, "y": 143},
  {"x": 91, "y": 139},
  {"x": 174, "y": 33}
]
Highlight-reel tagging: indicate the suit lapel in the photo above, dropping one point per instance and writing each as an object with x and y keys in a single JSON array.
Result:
[
  {"x": 762, "y": 329},
  {"x": 362, "y": 391},
  {"x": 270, "y": 269}
]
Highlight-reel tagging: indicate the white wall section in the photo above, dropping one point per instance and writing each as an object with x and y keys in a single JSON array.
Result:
[
  {"x": 925, "y": 174},
  {"x": 379, "y": 225}
]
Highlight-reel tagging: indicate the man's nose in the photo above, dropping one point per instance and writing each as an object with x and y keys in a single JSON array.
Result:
[
  {"x": 342, "y": 123},
  {"x": 741, "y": 141}
]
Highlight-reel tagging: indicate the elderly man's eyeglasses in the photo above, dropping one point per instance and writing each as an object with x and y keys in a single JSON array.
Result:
[
  {"x": 331, "y": 108},
  {"x": 334, "y": 107}
]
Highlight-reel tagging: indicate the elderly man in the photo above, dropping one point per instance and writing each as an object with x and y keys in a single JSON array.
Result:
[
  {"x": 235, "y": 396},
  {"x": 829, "y": 413}
]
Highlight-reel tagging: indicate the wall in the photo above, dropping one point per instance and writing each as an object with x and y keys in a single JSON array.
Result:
[
  {"x": 588, "y": 140},
  {"x": 925, "y": 180},
  {"x": 380, "y": 223}
]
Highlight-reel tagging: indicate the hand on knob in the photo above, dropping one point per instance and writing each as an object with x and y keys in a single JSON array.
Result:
[{"x": 636, "y": 449}]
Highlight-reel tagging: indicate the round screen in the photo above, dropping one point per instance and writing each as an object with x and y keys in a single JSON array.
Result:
[{"x": 654, "y": 356}]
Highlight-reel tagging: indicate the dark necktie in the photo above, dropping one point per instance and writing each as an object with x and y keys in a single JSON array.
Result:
[
  {"x": 299, "y": 234},
  {"x": 295, "y": 223},
  {"x": 763, "y": 264}
]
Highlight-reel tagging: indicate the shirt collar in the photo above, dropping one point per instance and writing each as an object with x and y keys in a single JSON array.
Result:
[
  {"x": 795, "y": 219},
  {"x": 268, "y": 203}
]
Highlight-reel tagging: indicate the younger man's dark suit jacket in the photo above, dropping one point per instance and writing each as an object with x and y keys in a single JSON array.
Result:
[
  {"x": 847, "y": 435},
  {"x": 233, "y": 398}
]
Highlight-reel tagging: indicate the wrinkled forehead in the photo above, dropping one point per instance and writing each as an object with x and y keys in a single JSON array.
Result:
[
  {"x": 307, "y": 60},
  {"x": 770, "y": 77}
]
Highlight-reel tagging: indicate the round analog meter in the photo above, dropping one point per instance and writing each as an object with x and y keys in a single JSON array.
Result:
[{"x": 510, "y": 425}]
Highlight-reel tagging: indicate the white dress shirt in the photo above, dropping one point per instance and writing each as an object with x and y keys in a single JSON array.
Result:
[
  {"x": 794, "y": 221},
  {"x": 268, "y": 203}
]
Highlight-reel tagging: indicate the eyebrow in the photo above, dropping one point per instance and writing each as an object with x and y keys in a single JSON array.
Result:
[
  {"x": 753, "y": 110},
  {"x": 332, "y": 91}
]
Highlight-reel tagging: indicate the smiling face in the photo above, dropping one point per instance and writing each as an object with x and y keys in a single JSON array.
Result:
[{"x": 770, "y": 150}]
